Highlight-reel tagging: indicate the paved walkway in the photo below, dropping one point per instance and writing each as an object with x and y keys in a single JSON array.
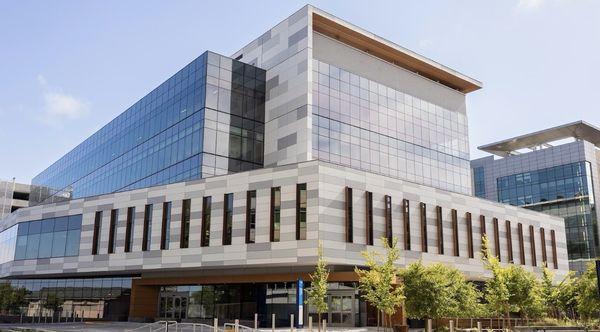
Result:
[{"x": 123, "y": 326}]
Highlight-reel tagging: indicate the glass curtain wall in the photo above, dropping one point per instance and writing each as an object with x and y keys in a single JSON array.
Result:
[
  {"x": 564, "y": 191},
  {"x": 360, "y": 123},
  {"x": 207, "y": 119},
  {"x": 242, "y": 301},
  {"x": 89, "y": 298},
  {"x": 51, "y": 237}
]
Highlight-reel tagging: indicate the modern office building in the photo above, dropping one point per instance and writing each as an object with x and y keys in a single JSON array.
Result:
[
  {"x": 13, "y": 196},
  {"x": 209, "y": 196},
  {"x": 554, "y": 171}
]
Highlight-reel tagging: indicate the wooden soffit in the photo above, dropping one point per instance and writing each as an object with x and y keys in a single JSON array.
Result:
[{"x": 395, "y": 55}]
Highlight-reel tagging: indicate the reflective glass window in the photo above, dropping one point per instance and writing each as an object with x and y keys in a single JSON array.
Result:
[
  {"x": 161, "y": 138},
  {"x": 227, "y": 219},
  {"x": 46, "y": 238},
  {"x": 59, "y": 242},
  {"x": 206, "y": 212},
  {"x": 72, "y": 243},
  {"x": 275, "y": 214}
]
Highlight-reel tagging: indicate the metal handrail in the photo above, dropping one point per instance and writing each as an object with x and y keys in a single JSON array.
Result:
[
  {"x": 240, "y": 327},
  {"x": 161, "y": 324},
  {"x": 202, "y": 327}
]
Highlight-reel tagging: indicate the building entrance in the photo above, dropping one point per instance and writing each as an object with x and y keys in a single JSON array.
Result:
[
  {"x": 173, "y": 305},
  {"x": 342, "y": 308}
]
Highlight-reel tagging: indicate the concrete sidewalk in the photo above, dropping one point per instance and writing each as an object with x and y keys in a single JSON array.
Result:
[{"x": 123, "y": 326}]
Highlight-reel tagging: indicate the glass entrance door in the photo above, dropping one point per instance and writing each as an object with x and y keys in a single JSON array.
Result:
[
  {"x": 173, "y": 305},
  {"x": 341, "y": 309}
]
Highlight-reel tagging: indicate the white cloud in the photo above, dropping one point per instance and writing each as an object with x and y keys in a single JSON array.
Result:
[
  {"x": 42, "y": 80},
  {"x": 529, "y": 4},
  {"x": 64, "y": 106},
  {"x": 59, "y": 106}
]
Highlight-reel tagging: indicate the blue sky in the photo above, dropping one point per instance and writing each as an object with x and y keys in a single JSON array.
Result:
[{"x": 69, "y": 67}]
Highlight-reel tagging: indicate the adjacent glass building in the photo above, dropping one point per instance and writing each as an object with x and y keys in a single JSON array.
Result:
[
  {"x": 557, "y": 179},
  {"x": 207, "y": 119}
]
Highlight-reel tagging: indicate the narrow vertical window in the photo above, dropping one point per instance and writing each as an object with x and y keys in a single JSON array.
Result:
[
  {"x": 388, "y": 218},
  {"x": 521, "y": 244},
  {"x": 369, "y": 217},
  {"x": 147, "y": 234},
  {"x": 227, "y": 218},
  {"x": 482, "y": 229},
  {"x": 405, "y": 223},
  {"x": 96, "y": 236},
  {"x": 251, "y": 216},
  {"x": 165, "y": 234},
  {"x": 349, "y": 215},
  {"x": 532, "y": 243},
  {"x": 496, "y": 237},
  {"x": 184, "y": 236},
  {"x": 470, "y": 235},
  {"x": 543, "y": 243},
  {"x": 455, "y": 232},
  {"x": 509, "y": 246},
  {"x": 275, "y": 214},
  {"x": 301, "y": 211},
  {"x": 206, "y": 209},
  {"x": 112, "y": 230},
  {"x": 423, "y": 209},
  {"x": 440, "y": 229},
  {"x": 553, "y": 240},
  {"x": 129, "y": 228}
]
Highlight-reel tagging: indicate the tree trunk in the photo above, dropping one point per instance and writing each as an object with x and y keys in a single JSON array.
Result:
[
  {"x": 508, "y": 316},
  {"x": 319, "y": 322}
]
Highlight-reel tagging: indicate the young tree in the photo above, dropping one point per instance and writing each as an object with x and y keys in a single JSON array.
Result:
[
  {"x": 588, "y": 302},
  {"x": 317, "y": 292},
  {"x": 378, "y": 282},
  {"x": 566, "y": 302},
  {"x": 525, "y": 292},
  {"x": 496, "y": 291},
  {"x": 548, "y": 291},
  {"x": 511, "y": 288},
  {"x": 438, "y": 291}
]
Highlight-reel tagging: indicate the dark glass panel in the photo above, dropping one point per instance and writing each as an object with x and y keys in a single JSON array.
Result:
[
  {"x": 47, "y": 225},
  {"x": 227, "y": 219},
  {"x": 206, "y": 212},
  {"x": 35, "y": 227},
  {"x": 61, "y": 224},
  {"x": 23, "y": 228},
  {"x": 59, "y": 242},
  {"x": 301, "y": 201},
  {"x": 72, "y": 242},
  {"x": 45, "y": 249},
  {"x": 33, "y": 243},
  {"x": 75, "y": 221},
  {"x": 275, "y": 214}
]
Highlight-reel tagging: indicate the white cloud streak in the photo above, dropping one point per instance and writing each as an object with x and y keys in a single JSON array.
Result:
[
  {"x": 64, "y": 106},
  {"x": 59, "y": 107},
  {"x": 529, "y": 5}
]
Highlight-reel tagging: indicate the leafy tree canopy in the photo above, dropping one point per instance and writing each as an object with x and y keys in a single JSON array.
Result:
[{"x": 437, "y": 291}]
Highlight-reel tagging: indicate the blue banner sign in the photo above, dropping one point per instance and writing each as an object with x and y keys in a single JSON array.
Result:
[{"x": 300, "y": 303}]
